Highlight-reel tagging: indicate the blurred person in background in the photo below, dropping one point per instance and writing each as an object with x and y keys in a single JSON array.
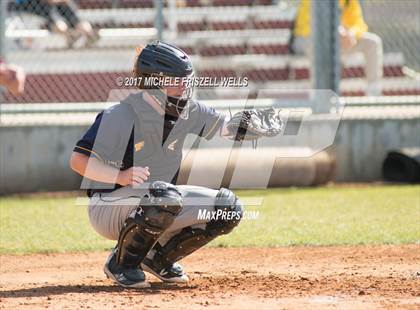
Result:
[
  {"x": 354, "y": 37},
  {"x": 12, "y": 77},
  {"x": 72, "y": 26}
]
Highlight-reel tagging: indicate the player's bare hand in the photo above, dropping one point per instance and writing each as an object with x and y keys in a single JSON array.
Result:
[
  {"x": 13, "y": 77},
  {"x": 133, "y": 176},
  {"x": 347, "y": 38}
]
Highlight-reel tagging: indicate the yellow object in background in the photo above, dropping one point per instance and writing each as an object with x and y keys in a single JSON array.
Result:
[{"x": 351, "y": 18}]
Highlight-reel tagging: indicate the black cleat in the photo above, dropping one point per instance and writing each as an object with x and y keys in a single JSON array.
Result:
[
  {"x": 171, "y": 274},
  {"x": 124, "y": 276}
]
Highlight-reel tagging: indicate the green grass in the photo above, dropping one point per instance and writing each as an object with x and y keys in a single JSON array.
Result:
[
  {"x": 309, "y": 216},
  {"x": 330, "y": 216},
  {"x": 31, "y": 225}
]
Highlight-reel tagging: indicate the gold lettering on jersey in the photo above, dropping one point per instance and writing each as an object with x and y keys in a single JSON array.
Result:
[
  {"x": 172, "y": 145},
  {"x": 138, "y": 146}
]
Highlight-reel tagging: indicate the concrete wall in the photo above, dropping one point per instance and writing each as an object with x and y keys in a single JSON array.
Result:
[
  {"x": 361, "y": 145},
  {"x": 35, "y": 158}
]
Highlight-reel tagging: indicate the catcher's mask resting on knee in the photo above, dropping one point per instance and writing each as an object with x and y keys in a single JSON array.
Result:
[{"x": 165, "y": 62}]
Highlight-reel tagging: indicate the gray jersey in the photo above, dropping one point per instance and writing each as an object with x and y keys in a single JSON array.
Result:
[{"x": 133, "y": 133}]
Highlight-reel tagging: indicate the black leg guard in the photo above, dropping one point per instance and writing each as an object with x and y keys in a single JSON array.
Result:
[
  {"x": 146, "y": 224},
  {"x": 191, "y": 239},
  {"x": 228, "y": 213},
  {"x": 186, "y": 242}
]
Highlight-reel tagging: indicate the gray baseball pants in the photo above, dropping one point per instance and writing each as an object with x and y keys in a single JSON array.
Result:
[{"x": 108, "y": 211}]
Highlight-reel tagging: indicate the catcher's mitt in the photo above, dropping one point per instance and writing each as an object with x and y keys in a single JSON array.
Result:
[{"x": 255, "y": 123}]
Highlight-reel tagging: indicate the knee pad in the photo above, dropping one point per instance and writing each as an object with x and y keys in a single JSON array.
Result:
[
  {"x": 229, "y": 212},
  {"x": 160, "y": 207},
  {"x": 147, "y": 222}
]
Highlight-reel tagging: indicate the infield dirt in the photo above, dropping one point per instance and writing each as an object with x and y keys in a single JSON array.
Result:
[{"x": 353, "y": 277}]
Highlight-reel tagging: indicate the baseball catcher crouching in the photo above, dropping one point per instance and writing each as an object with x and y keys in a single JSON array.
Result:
[{"x": 133, "y": 196}]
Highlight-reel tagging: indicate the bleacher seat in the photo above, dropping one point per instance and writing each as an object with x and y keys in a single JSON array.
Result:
[
  {"x": 232, "y": 2},
  {"x": 136, "y": 4},
  {"x": 95, "y": 86},
  {"x": 222, "y": 23},
  {"x": 193, "y": 3},
  {"x": 202, "y": 24},
  {"x": 106, "y": 4},
  {"x": 272, "y": 74},
  {"x": 186, "y": 26},
  {"x": 52, "y": 88},
  {"x": 94, "y": 4},
  {"x": 223, "y": 47}
]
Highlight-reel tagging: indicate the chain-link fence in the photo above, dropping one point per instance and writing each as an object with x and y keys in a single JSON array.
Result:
[
  {"x": 74, "y": 51},
  {"x": 397, "y": 23}
]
